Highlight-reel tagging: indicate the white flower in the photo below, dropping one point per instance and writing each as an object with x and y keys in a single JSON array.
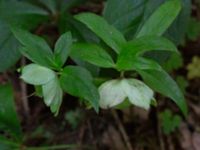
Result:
[{"x": 114, "y": 92}]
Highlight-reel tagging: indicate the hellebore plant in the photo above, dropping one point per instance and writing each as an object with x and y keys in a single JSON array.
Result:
[{"x": 112, "y": 51}]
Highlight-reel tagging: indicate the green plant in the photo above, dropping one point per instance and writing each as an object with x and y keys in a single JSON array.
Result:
[
  {"x": 169, "y": 121},
  {"x": 96, "y": 58},
  {"x": 129, "y": 56}
]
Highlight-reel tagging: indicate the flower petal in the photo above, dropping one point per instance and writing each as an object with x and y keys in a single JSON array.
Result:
[
  {"x": 137, "y": 92},
  {"x": 111, "y": 94}
]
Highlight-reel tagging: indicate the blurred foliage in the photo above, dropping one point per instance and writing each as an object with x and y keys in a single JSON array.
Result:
[
  {"x": 194, "y": 68},
  {"x": 169, "y": 121}
]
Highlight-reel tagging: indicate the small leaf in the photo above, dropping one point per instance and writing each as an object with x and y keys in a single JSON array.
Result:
[
  {"x": 111, "y": 36},
  {"x": 78, "y": 82},
  {"x": 34, "y": 48},
  {"x": 53, "y": 95},
  {"x": 161, "y": 19},
  {"x": 141, "y": 45},
  {"x": 36, "y": 74},
  {"x": 169, "y": 121},
  {"x": 63, "y": 47},
  {"x": 93, "y": 54},
  {"x": 161, "y": 82},
  {"x": 9, "y": 120},
  {"x": 114, "y": 92}
]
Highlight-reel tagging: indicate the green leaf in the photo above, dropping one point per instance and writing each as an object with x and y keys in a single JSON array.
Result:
[
  {"x": 9, "y": 120},
  {"x": 174, "y": 62},
  {"x": 169, "y": 121},
  {"x": 140, "y": 46},
  {"x": 34, "y": 48},
  {"x": 193, "y": 30},
  {"x": 111, "y": 36},
  {"x": 161, "y": 19},
  {"x": 22, "y": 14},
  {"x": 122, "y": 13},
  {"x": 78, "y": 82},
  {"x": 177, "y": 31},
  {"x": 93, "y": 54},
  {"x": 65, "y": 5},
  {"x": 143, "y": 63},
  {"x": 9, "y": 53},
  {"x": 51, "y": 5},
  {"x": 36, "y": 74},
  {"x": 53, "y": 95},
  {"x": 161, "y": 82},
  {"x": 8, "y": 144},
  {"x": 63, "y": 47}
]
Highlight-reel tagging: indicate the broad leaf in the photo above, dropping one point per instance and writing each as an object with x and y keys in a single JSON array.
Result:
[
  {"x": 78, "y": 82},
  {"x": 141, "y": 45},
  {"x": 93, "y": 54},
  {"x": 22, "y": 13},
  {"x": 62, "y": 48},
  {"x": 53, "y": 95},
  {"x": 122, "y": 13},
  {"x": 9, "y": 120},
  {"x": 111, "y": 36},
  {"x": 143, "y": 63},
  {"x": 35, "y": 48},
  {"x": 178, "y": 29},
  {"x": 36, "y": 74},
  {"x": 161, "y": 19},
  {"x": 161, "y": 82},
  {"x": 9, "y": 53}
]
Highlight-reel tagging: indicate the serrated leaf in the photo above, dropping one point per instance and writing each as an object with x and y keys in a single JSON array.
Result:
[
  {"x": 111, "y": 36},
  {"x": 63, "y": 48},
  {"x": 140, "y": 46},
  {"x": 53, "y": 95},
  {"x": 34, "y": 48},
  {"x": 161, "y": 82},
  {"x": 78, "y": 82},
  {"x": 161, "y": 19},
  {"x": 36, "y": 74},
  {"x": 93, "y": 54},
  {"x": 9, "y": 120}
]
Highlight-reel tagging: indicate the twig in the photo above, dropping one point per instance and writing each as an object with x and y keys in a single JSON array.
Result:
[
  {"x": 92, "y": 135},
  {"x": 194, "y": 97},
  {"x": 160, "y": 136},
  {"x": 122, "y": 130},
  {"x": 24, "y": 92}
]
